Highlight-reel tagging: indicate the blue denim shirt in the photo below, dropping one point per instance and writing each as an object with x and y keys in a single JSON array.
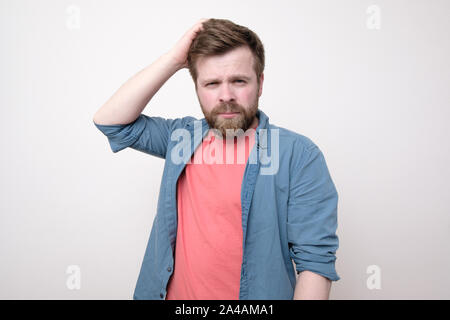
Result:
[{"x": 289, "y": 213}]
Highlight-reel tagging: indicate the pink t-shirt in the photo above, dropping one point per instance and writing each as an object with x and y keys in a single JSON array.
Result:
[{"x": 208, "y": 252}]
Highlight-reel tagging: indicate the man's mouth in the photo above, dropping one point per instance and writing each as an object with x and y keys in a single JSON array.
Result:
[{"x": 229, "y": 114}]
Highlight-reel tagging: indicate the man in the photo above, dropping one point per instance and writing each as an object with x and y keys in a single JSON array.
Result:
[{"x": 231, "y": 220}]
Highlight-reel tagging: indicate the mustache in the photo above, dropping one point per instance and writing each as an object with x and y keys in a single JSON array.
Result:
[{"x": 227, "y": 107}]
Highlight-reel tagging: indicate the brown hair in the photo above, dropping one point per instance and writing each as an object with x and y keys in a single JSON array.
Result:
[{"x": 220, "y": 36}]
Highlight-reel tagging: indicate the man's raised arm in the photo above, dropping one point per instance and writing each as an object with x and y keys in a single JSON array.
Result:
[{"x": 130, "y": 99}]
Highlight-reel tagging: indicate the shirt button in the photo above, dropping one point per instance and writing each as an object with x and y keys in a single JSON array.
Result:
[
  {"x": 169, "y": 269},
  {"x": 161, "y": 295}
]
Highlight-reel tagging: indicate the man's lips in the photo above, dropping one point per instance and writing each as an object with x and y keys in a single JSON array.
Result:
[{"x": 229, "y": 114}]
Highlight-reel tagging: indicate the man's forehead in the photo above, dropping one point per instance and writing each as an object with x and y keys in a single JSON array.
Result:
[{"x": 238, "y": 62}]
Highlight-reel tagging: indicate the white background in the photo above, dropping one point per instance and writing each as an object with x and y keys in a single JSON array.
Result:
[{"x": 376, "y": 102}]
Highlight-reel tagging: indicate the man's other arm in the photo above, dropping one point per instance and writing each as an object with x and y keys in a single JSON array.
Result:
[
  {"x": 311, "y": 286},
  {"x": 312, "y": 223}
]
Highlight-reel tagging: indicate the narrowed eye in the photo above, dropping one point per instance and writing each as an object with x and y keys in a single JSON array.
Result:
[{"x": 238, "y": 80}]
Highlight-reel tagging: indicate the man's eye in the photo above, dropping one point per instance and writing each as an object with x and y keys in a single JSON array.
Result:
[{"x": 212, "y": 83}]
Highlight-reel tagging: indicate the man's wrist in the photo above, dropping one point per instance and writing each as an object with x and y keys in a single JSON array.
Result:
[{"x": 172, "y": 62}]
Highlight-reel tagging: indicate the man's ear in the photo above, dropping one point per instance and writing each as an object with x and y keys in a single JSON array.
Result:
[{"x": 261, "y": 80}]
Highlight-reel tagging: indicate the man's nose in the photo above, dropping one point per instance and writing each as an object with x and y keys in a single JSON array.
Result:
[{"x": 226, "y": 93}]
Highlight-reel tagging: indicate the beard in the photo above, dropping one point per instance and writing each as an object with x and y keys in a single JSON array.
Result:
[{"x": 226, "y": 127}]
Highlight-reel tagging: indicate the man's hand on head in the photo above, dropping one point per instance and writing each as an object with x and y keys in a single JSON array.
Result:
[{"x": 179, "y": 51}]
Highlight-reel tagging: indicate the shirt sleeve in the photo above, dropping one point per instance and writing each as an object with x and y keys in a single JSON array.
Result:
[
  {"x": 147, "y": 134},
  {"x": 312, "y": 214}
]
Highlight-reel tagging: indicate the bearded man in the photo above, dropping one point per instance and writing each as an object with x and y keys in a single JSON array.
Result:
[{"x": 251, "y": 204}]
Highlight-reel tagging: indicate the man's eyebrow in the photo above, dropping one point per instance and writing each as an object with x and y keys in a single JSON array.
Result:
[{"x": 234, "y": 77}]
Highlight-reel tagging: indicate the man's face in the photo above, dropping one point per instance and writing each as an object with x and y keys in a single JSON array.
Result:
[{"x": 228, "y": 90}]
